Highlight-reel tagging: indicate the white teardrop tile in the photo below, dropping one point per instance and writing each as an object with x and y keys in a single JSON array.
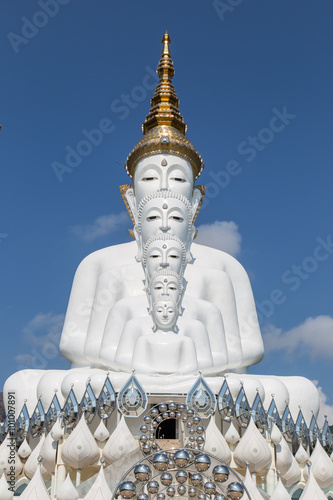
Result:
[
  {"x": 99, "y": 489},
  {"x": 5, "y": 493},
  {"x": 24, "y": 449},
  {"x": 232, "y": 435},
  {"x": 321, "y": 468},
  {"x": 312, "y": 490},
  {"x": 293, "y": 475},
  {"x": 284, "y": 457},
  {"x": 6, "y": 448},
  {"x": 251, "y": 487},
  {"x": 280, "y": 493},
  {"x": 36, "y": 489},
  {"x": 57, "y": 430},
  {"x": 80, "y": 449},
  {"x": 119, "y": 443},
  {"x": 67, "y": 490},
  {"x": 101, "y": 433},
  {"x": 48, "y": 452},
  {"x": 215, "y": 442},
  {"x": 276, "y": 435},
  {"x": 253, "y": 448},
  {"x": 31, "y": 464},
  {"x": 301, "y": 455}
]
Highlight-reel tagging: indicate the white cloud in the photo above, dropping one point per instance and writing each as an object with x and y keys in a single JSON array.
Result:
[
  {"x": 221, "y": 235},
  {"x": 105, "y": 224},
  {"x": 313, "y": 338},
  {"x": 42, "y": 335},
  {"x": 325, "y": 409}
]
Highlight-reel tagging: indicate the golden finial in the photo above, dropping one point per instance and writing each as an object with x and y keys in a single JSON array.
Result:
[
  {"x": 164, "y": 103},
  {"x": 164, "y": 127}
]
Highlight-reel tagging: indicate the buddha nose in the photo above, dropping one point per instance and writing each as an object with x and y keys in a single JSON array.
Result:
[
  {"x": 164, "y": 223},
  {"x": 163, "y": 182},
  {"x": 164, "y": 262}
]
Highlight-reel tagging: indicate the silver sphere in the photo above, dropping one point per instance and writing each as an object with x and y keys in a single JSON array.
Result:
[
  {"x": 159, "y": 419},
  {"x": 184, "y": 418},
  {"x": 200, "y": 429},
  {"x": 181, "y": 407},
  {"x": 142, "y": 473},
  {"x": 181, "y": 476},
  {"x": 143, "y": 439},
  {"x": 196, "y": 420},
  {"x": 219, "y": 497},
  {"x": 201, "y": 496},
  {"x": 142, "y": 496},
  {"x": 200, "y": 440},
  {"x": 171, "y": 492},
  {"x": 189, "y": 424},
  {"x": 154, "y": 412},
  {"x": 190, "y": 412},
  {"x": 160, "y": 462},
  {"x": 172, "y": 406},
  {"x": 192, "y": 431},
  {"x": 127, "y": 489},
  {"x": 165, "y": 415},
  {"x": 192, "y": 492},
  {"x": 166, "y": 479},
  {"x": 143, "y": 428},
  {"x": 171, "y": 464},
  {"x": 154, "y": 445},
  {"x": 147, "y": 419},
  {"x": 161, "y": 496},
  {"x": 146, "y": 449},
  {"x": 181, "y": 490},
  {"x": 221, "y": 473},
  {"x": 181, "y": 458},
  {"x": 235, "y": 491},
  {"x": 196, "y": 479},
  {"x": 154, "y": 424},
  {"x": 202, "y": 462},
  {"x": 172, "y": 414},
  {"x": 153, "y": 487},
  {"x": 163, "y": 407},
  {"x": 192, "y": 439},
  {"x": 210, "y": 488},
  {"x": 178, "y": 415}
]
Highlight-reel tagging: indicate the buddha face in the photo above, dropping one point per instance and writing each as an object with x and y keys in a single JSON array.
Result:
[
  {"x": 165, "y": 287},
  {"x": 164, "y": 254},
  {"x": 159, "y": 172},
  {"x": 164, "y": 314},
  {"x": 165, "y": 215}
]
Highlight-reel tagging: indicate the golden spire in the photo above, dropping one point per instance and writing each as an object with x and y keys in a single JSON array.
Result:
[
  {"x": 164, "y": 127},
  {"x": 164, "y": 103}
]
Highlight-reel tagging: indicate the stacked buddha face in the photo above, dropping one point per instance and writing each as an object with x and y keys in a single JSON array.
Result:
[{"x": 163, "y": 206}]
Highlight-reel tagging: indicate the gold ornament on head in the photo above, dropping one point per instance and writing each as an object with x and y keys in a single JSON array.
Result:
[{"x": 164, "y": 127}]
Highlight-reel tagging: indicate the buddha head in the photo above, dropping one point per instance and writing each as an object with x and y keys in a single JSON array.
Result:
[
  {"x": 163, "y": 172},
  {"x": 165, "y": 285},
  {"x": 164, "y": 212},
  {"x": 164, "y": 314},
  {"x": 164, "y": 252}
]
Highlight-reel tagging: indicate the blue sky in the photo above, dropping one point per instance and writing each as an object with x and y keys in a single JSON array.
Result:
[{"x": 269, "y": 179}]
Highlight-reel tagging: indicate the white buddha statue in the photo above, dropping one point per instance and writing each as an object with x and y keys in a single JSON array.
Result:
[{"x": 111, "y": 325}]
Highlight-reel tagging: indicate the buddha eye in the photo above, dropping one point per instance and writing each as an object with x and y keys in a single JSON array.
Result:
[
  {"x": 172, "y": 287},
  {"x": 157, "y": 287},
  {"x": 174, "y": 256},
  {"x": 154, "y": 256},
  {"x": 153, "y": 217},
  {"x": 149, "y": 179},
  {"x": 176, "y": 218},
  {"x": 177, "y": 179}
]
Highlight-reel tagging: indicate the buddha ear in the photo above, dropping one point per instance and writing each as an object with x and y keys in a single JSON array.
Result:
[
  {"x": 197, "y": 199},
  {"x": 138, "y": 240},
  {"x": 130, "y": 202}
]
